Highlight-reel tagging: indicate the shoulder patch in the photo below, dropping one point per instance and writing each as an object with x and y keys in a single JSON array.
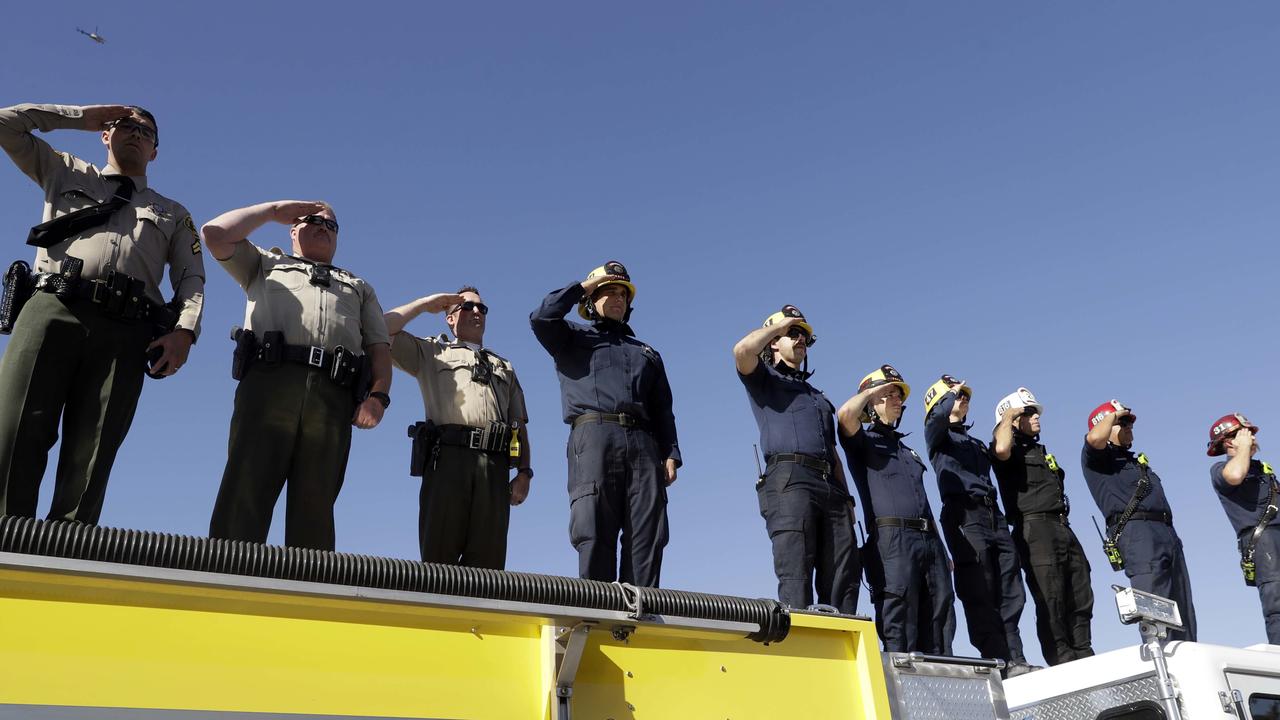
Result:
[{"x": 190, "y": 224}]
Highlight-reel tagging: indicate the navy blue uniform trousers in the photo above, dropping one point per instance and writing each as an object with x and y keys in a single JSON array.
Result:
[
  {"x": 1266, "y": 557},
  {"x": 911, "y": 590},
  {"x": 1154, "y": 563},
  {"x": 617, "y": 485},
  {"x": 988, "y": 578},
  {"x": 811, "y": 527}
]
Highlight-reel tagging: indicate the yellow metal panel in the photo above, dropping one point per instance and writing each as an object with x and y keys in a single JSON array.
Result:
[
  {"x": 826, "y": 668},
  {"x": 84, "y": 641}
]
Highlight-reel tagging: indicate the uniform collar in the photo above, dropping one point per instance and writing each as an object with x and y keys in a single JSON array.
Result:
[
  {"x": 609, "y": 325},
  {"x": 454, "y": 342},
  {"x": 880, "y": 428},
  {"x": 1024, "y": 440},
  {"x": 787, "y": 371},
  {"x": 139, "y": 181}
]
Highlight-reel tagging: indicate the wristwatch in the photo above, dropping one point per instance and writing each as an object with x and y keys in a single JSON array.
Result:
[{"x": 382, "y": 397}]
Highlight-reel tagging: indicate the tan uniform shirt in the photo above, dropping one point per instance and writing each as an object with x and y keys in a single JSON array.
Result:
[
  {"x": 138, "y": 240},
  {"x": 450, "y": 396},
  {"x": 282, "y": 297}
]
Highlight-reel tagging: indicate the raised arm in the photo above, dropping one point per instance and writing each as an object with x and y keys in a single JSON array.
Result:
[
  {"x": 32, "y": 155},
  {"x": 850, "y": 412},
  {"x": 1002, "y": 443},
  {"x": 224, "y": 232},
  {"x": 746, "y": 353},
  {"x": 1101, "y": 433},
  {"x": 1237, "y": 468},
  {"x": 397, "y": 318}
]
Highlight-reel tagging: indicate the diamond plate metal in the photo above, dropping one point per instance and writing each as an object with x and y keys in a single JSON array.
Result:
[
  {"x": 946, "y": 698},
  {"x": 1086, "y": 705}
]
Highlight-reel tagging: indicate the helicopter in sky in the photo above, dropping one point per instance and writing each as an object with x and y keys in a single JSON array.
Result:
[{"x": 94, "y": 36}]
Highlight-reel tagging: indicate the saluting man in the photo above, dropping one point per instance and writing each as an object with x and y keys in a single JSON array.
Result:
[
  {"x": 1139, "y": 520},
  {"x": 81, "y": 344},
  {"x": 906, "y": 563},
  {"x": 1035, "y": 500},
  {"x": 313, "y": 328},
  {"x": 803, "y": 494},
  {"x": 1249, "y": 494},
  {"x": 988, "y": 581},
  {"x": 623, "y": 451},
  {"x": 475, "y": 432}
]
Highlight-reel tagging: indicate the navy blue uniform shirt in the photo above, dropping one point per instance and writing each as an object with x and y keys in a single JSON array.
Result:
[
  {"x": 888, "y": 474},
  {"x": 959, "y": 459},
  {"x": 793, "y": 416},
  {"x": 1245, "y": 502},
  {"x": 603, "y": 368},
  {"x": 1112, "y": 475}
]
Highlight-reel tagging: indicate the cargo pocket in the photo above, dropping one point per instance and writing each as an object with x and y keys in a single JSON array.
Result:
[{"x": 582, "y": 513}]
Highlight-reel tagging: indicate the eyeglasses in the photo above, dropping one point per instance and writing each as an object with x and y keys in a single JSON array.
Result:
[
  {"x": 331, "y": 225},
  {"x": 796, "y": 333},
  {"x": 137, "y": 128},
  {"x": 469, "y": 306}
]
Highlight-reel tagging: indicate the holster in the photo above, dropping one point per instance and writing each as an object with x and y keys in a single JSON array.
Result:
[
  {"x": 245, "y": 353},
  {"x": 18, "y": 288},
  {"x": 363, "y": 382},
  {"x": 425, "y": 438},
  {"x": 272, "y": 349}
]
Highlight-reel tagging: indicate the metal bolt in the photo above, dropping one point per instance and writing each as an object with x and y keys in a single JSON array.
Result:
[
  {"x": 722, "y": 669},
  {"x": 629, "y": 674}
]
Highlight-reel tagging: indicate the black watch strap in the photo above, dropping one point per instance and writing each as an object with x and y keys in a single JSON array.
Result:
[
  {"x": 382, "y": 397},
  {"x": 526, "y": 470}
]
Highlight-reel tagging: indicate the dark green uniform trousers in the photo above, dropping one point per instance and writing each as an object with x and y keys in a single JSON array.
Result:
[
  {"x": 464, "y": 508},
  {"x": 66, "y": 360},
  {"x": 291, "y": 423}
]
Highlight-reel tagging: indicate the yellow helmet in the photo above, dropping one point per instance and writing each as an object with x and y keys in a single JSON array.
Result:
[
  {"x": 613, "y": 267},
  {"x": 791, "y": 311},
  {"x": 940, "y": 388},
  {"x": 885, "y": 375}
]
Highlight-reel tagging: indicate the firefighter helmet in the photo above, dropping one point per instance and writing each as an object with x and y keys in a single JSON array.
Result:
[
  {"x": 1106, "y": 409},
  {"x": 885, "y": 375},
  {"x": 1020, "y": 398},
  {"x": 791, "y": 311},
  {"x": 613, "y": 267},
  {"x": 1225, "y": 428},
  {"x": 940, "y": 388}
]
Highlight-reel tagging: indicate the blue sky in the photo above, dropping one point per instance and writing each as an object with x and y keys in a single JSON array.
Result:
[{"x": 1078, "y": 198}]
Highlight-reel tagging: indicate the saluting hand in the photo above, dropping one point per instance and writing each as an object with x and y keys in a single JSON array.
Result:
[
  {"x": 96, "y": 117},
  {"x": 1243, "y": 441},
  {"x": 369, "y": 414},
  {"x": 1011, "y": 415},
  {"x": 671, "y": 471},
  {"x": 440, "y": 302},
  {"x": 287, "y": 212},
  {"x": 591, "y": 285}
]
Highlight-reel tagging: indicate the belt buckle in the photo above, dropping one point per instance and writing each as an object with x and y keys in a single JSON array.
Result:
[
  {"x": 316, "y": 357},
  {"x": 475, "y": 439},
  {"x": 625, "y": 420},
  {"x": 924, "y": 523}
]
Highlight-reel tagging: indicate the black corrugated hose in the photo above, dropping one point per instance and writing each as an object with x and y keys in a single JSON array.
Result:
[{"x": 72, "y": 540}]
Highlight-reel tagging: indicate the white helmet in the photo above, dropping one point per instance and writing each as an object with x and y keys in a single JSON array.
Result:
[{"x": 1020, "y": 398}]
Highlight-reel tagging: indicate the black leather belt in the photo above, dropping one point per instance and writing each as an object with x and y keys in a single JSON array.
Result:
[
  {"x": 921, "y": 524},
  {"x": 1160, "y": 517},
  {"x": 622, "y": 419},
  {"x": 100, "y": 293},
  {"x": 473, "y": 438},
  {"x": 1058, "y": 517},
  {"x": 808, "y": 461},
  {"x": 312, "y": 355}
]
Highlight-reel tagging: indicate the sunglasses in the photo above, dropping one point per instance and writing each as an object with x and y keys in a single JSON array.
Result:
[
  {"x": 326, "y": 223},
  {"x": 136, "y": 128},
  {"x": 469, "y": 306},
  {"x": 796, "y": 333}
]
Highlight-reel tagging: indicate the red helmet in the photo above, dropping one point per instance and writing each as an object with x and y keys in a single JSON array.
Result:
[
  {"x": 1106, "y": 409},
  {"x": 1224, "y": 428}
]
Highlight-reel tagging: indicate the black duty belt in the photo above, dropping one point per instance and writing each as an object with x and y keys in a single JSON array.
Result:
[
  {"x": 315, "y": 356},
  {"x": 1058, "y": 517},
  {"x": 118, "y": 295},
  {"x": 474, "y": 438},
  {"x": 921, "y": 524},
  {"x": 808, "y": 461},
  {"x": 622, "y": 419},
  {"x": 1160, "y": 517}
]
